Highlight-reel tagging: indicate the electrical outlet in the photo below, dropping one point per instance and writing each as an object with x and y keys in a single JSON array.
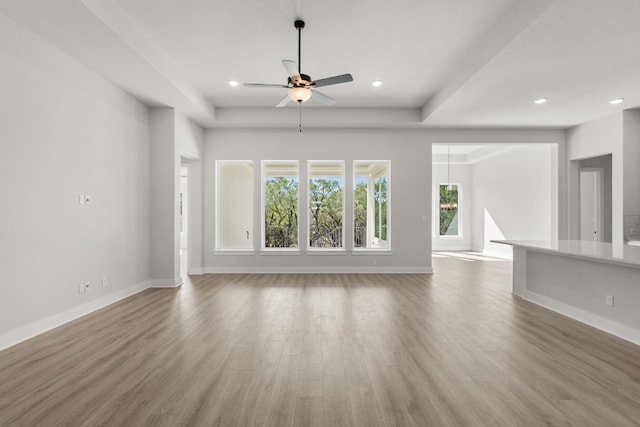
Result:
[
  {"x": 86, "y": 286},
  {"x": 81, "y": 288},
  {"x": 610, "y": 300},
  {"x": 104, "y": 281}
]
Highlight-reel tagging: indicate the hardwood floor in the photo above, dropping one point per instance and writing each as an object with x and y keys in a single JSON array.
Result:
[{"x": 453, "y": 348}]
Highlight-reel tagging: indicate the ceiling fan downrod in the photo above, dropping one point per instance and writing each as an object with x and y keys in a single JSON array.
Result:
[{"x": 299, "y": 24}]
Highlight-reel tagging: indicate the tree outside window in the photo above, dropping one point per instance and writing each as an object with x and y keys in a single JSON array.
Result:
[
  {"x": 380, "y": 198},
  {"x": 360, "y": 213},
  {"x": 449, "y": 210},
  {"x": 325, "y": 212},
  {"x": 280, "y": 205}
]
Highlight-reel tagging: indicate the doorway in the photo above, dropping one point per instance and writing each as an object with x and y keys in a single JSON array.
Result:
[
  {"x": 591, "y": 198},
  {"x": 591, "y": 204},
  {"x": 184, "y": 221}
]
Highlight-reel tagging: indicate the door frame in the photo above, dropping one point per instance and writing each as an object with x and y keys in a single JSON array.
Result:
[{"x": 599, "y": 200}]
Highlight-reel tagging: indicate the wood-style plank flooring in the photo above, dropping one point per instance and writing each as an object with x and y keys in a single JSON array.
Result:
[{"x": 450, "y": 349}]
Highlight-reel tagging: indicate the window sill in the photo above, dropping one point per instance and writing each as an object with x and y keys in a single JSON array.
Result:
[
  {"x": 280, "y": 252},
  {"x": 321, "y": 252},
  {"x": 371, "y": 251},
  {"x": 233, "y": 252},
  {"x": 450, "y": 237}
]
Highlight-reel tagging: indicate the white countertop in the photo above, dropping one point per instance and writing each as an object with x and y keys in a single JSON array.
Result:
[{"x": 628, "y": 255}]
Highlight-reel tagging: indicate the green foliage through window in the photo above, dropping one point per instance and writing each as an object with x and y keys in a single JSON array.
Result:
[
  {"x": 325, "y": 212},
  {"x": 449, "y": 210},
  {"x": 380, "y": 198},
  {"x": 281, "y": 212},
  {"x": 360, "y": 214}
]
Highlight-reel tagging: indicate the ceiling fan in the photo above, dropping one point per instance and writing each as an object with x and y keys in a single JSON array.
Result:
[{"x": 301, "y": 87}]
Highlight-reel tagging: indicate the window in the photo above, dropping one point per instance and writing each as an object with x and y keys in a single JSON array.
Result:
[
  {"x": 280, "y": 204},
  {"x": 234, "y": 205},
  {"x": 326, "y": 199},
  {"x": 371, "y": 198},
  {"x": 449, "y": 210}
]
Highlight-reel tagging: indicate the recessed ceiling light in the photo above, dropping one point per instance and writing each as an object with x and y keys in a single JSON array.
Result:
[
  {"x": 234, "y": 83},
  {"x": 376, "y": 83},
  {"x": 616, "y": 101},
  {"x": 540, "y": 101}
]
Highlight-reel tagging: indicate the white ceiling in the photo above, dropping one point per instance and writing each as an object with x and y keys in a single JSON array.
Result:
[
  {"x": 467, "y": 154},
  {"x": 444, "y": 63}
]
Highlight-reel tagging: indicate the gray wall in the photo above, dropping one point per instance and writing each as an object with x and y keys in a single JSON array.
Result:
[
  {"x": 410, "y": 199},
  {"x": 63, "y": 132},
  {"x": 410, "y": 155},
  {"x": 604, "y": 163},
  {"x": 513, "y": 198}
]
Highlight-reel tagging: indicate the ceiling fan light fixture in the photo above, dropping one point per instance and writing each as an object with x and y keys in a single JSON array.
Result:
[
  {"x": 299, "y": 85},
  {"x": 299, "y": 94}
]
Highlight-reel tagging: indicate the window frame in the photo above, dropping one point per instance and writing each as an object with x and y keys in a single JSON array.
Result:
[
  {"x": 437, "y": 213},
  {"x": 370, "y": 199},
  {"x": 217, "y": 243},
  {"x": 263, "y": 176},
  {"x": 342, "y": 165}
]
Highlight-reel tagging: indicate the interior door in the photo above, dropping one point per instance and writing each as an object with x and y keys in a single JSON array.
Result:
[{"x": 591, "y": 213}]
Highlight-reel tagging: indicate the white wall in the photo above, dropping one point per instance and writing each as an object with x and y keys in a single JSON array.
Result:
[
  {"x": 618, "y": 135},
  {"x": 190, "y": 137},
  {"x": 165, "y": 205},
  {"x": 175, "y": 141},
  {"x": 513, "y": 197},
  {"x": 461, "y": 175},
  {"x": 593, "y": 139},
  {"x": 604, "y": 163},
  {"x": 631, "y": 158},
  {"x": 410, "y": 204},
  {"x": 63, "y": 132}
]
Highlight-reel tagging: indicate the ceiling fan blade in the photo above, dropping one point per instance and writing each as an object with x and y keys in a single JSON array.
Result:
[
  {"x": 344, "y": 78},
  {"x": 283, "y": 102},
  {"x": 321, "y": 97},
  {"x": 291, "y": 67},
  {"x": 263, "y": 85}
]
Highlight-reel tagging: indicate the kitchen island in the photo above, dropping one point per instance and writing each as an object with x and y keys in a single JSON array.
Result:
[{"x": 594, "y": 282}]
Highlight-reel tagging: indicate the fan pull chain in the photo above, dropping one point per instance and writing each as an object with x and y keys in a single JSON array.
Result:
[{"x": 300, "y": 117}]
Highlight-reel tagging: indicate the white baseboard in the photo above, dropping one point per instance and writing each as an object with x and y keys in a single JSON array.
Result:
[
  {"x": 196, "y": 271},
  {"x": 610, "y": 326},
  {"x": 31, "y": 330},
  {"x": 317, "y": 270},
  {"x": 166, "y": 283}
]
